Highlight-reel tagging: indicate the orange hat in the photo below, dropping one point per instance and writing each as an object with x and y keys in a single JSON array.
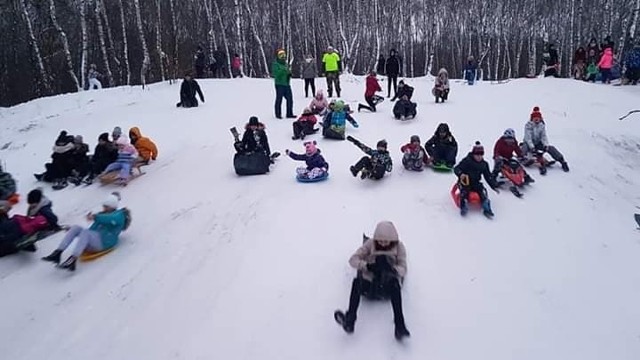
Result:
[{"x": 536, "y": 115}]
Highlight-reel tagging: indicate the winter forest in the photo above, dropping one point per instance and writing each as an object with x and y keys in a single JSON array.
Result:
[{"x": 47, "y": 46}]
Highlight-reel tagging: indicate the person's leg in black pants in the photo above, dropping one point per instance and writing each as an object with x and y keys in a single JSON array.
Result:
[
  {"x": 372, "y": 104},
  {"x": 288, "y": 95},
  {"x": 394, "y": 80},
  {"x": 280, "y": 90}
]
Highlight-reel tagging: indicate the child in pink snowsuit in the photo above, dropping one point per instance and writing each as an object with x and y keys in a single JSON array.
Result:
[{"x": 605, "y": 65}]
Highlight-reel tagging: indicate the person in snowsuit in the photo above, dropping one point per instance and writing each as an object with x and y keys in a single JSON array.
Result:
[
  {"x": 605, "y": 65},
  {"x": 41, "y": 205},
  {"x": 332, "y": 67},
  {"x": 319, "y": 104},
  {"x": 309, "y": 73},
  {"x": 441, "y": 87},
  {"x": 104, "y": 154},
  {"x": 282, "y": 77},
  {"x": 316, "y": 167},
  {"x": 335, "y": 121},
  {"x": 127, "y": 155},
  {"x": 381, "y": 66},
  {"x": 403, "y": 90},
  {"x": 7, "y": 185},
  {"x": 304, "y": 125},
  {"x": 632, "y": 62},
  {"x": 200, "y": 63},
  {"x": 551, "y": 61},
  {"x": 102, "y": 235},
  {"x": 414, "y": 156},
  {"x": 372, "y": 86},
  {"x": 535, "y": 141},
  {"x": 393, "y": 69},
  {"x": 382, "y": 265},
  {"x": 579, "y": 63},
  {"x": 470, "y": 172},
  {"x": 470, "y": 70},
  {"x": 147, "y": 149},
  {"x": 59, "y": 169},
  {"x": 236, "y": 66},
  {"x": 375, "y": 164},
  {"x": 504, "y": 149},
  {"x": 404, "y": 109},
  {"x": 93, "y": 76},
  {"x": 188, "y": 90},
  {"x": 442, "y": 146}
]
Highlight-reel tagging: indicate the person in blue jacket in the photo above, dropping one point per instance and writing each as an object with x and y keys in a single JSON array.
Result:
[
  {"x": 470, "y": 70},
  {"x": 102, "y": 235},
  {"x": 316, "y": 167},
  {"x": 633, "y": 64}
]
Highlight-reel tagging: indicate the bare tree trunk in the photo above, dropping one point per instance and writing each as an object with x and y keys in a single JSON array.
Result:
[
  {"x": 634, "y": 23},
  {"x": 174, "y": 29},
  {"x": 224, "y": 37},
  {"x": 103, "y": 47},
  {"x": 65, "y": 43},
  {"x": 257, "y": 36},
  {"x": 42, "y": 83},
  {"x": 240, "y": 38},
  {"x": 125, "y": 46},
  {"x": 210, "y": 33},
  {"x": 110, "y": 48},
  {"x": 159, "y": 39},
  {"x": 85, "y": 43},
  {"x": 145, "y": 51}
]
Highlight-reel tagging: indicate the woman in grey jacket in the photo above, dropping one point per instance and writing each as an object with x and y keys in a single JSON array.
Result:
[{"x": 309, "y": 73}]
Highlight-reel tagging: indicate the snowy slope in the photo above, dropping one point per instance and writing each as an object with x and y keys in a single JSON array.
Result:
[{"x": 221, "y": 267}]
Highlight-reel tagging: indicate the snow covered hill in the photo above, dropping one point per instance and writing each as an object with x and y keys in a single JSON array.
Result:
[{"x": 221, "y": 267}]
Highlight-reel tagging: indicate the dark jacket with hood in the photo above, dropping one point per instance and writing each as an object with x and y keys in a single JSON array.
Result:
[
  {"x": 188, "y": 91},
  {"x": 580, "y": 56},
  {"x": 393, "y": 65},
  {"x": 475, "y": 170},
  {"x": 103, "y": 155},
  {"x": 44, "y": 208},
  {"x": 255, "y": 140},
  {"x": 403, "y": 90},
  {"x": 437, "y": 141}
]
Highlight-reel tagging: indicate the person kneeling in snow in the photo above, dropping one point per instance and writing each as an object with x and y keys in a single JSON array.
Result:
[
  {"x": 503, "y": 151},
  {"x": 316, "y": 164},
  {"x": 101, "y": 236},
  {"x": 188, "y": 91},
  {"x": 404, "y": 109},
  {"x": 304, "y": 125},
  {"x": 535, "y": 141},
  {"x": 382, "y": 265},
  {"x": 127, "y": 155},
  {"x": 469, "y": 172},
  {"x": 415, "y": 157},
  {"x": 376, "y": 164}
]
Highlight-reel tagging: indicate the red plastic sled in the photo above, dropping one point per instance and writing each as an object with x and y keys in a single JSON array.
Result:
[
  {"x": 513, "y": 171},
  {"x": 474, "y": 197}
]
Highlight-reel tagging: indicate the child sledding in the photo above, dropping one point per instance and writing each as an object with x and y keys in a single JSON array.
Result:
[
  {"x": 442, "y": 148},
  {"x": 470, "y": 172},
  {"x": 121, "y": 172},
  {"x": 376, "y": 164},
  {"x": 404, "y": 109},
  {"x": 304, "y": 125},
  {"x": 335, "y": 122},
  {"x": 510, "y": 167},
  {"x": 253, "y": 154},
  {"x": 536, "y": 144},
  {"x": 414, "y": 156},
  {"x": 317, "y": 168}
]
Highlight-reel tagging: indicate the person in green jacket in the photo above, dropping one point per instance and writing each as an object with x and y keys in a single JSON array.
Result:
[
  {"x": 281, "y": 73},
  {"x": 332, "y": 66},
  {"x": 101, "y": 236}
]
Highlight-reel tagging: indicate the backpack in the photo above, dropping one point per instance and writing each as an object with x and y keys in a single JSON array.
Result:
[{"x": 127, "y": 218}]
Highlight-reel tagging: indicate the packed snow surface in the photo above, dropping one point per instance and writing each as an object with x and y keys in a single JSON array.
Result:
[{"x": 217, "y": 266}]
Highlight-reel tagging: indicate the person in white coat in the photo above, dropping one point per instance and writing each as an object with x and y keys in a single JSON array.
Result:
[
  {"x": 93, "y": 75},
  {"x": 535, "y": 140}
]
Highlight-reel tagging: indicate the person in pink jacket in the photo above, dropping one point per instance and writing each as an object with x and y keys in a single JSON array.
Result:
[{"x": 605, "y": 65}]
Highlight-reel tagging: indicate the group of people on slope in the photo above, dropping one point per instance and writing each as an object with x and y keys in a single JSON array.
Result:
[{"x": 597, "y": 62}]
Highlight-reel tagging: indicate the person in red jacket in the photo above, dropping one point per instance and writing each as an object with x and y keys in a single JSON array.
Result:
[
  {"x": 304, "y": 125},
  {"x": 370, "y": 93},
  {"x": 503, "y": 151}
]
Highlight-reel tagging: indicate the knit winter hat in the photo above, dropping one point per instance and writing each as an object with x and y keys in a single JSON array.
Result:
[
  {"x": 385, "y": 231},
  {"x": 78, "y": 139},
  {"x": 415, "y": 138},
  {"x": 509, "y": 133},
  {"x": 112, "y": 201},
  {"x": 253, "y": 121},
  {"x": 536, "y": 114},
  {"x": 281, "y": 53},
  {"x": 116, "y": 132},
  {"x": 310, "y": 147},
  {"x": 478, "y": 149},
  {"x": 382, "y": 144},
  {"x": 103, "y": 137},
  {"x": 306, "y": 111},
  {"x": 338, "y": 105},
  {"x": 34, "y": 196}
]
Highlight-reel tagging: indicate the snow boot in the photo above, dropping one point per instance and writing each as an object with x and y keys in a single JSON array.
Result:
[
  {"x": 486, "y": 209},
  {"x": 39, "y": 177},
  {"x": 354, "y": 171},
  {"x": 347, "y": 322},
  {"x": 69, "y": 264},
  {"x": 565, "y": 166},
  {"x": 401, "y": 331},
  {"x": 54, "y": 257},
  {"x": 364, "y": 174},
  {"x": 464, "y": 207},
  {"x": 528, "y": 179},
  {"x": 60, "y": 184},
  {"x": 543, "y": 170},
  {"x": 29, "y": 248}
]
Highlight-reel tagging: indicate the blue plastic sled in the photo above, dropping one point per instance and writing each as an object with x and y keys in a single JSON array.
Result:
[{"x": 307, "y": 180}]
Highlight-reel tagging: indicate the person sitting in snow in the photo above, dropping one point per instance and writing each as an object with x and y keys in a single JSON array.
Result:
[
  {"x": 376, "y": 164},
  {"x": 591, "y": 73},
  {"x": 414, "y": 156},
  {"x": 372, "y": 86},
  {"x": 382, "y": 265},
  {"x": 334, "y": 123},
  {"x": 536, "y": 143},
  {"x": 127, "y": 155},
  {"x": 80, "y": 160},
  {"x": 403, "y": 90},
  {"x": 41, "y": 205},
  {"x": 188, "y": 91},
  {"x": 104, "y": 154},
  {"x": 254, "y": 139},
  {"x": 101, "y": 236},
  {"x": 304, "y": 125},
  {"x": 504, "y": 149},
  {"x": 470, "y": 172},
  {"x": 441, "y": 87},
  {"x": 319, "y": 104},
  {"x": 59, "y": 169},
  {"x": 147, "y": 149},
  {"x": 7, "y": 185},
  {"x": 404, "y": 109},
  {"x": 10, "y": 232},
  {"x": 316, "y": 164},
  {"x": 442, "y": 147}
]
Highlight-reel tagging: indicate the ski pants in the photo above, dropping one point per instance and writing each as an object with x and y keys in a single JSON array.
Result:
[
  {"x": 375, "y": 172},
  {"x": 390, "y": 287},
  {"x": 412, "y": 162},
  {"x": 284, "y": 91},
  {"x": 303, "y": 172},
  {"x": 302, "y": 128},
  {"x": 94, "y": 84},
  {"x": 443, "y": 154},
  {"x": 124, "y": 167},
  {"x": 309, "y": 83},
  {"x": 331, "y": 133},
  {"x": 479, "y": 189},
  {"x": 555, "y": 154},
  {"x": 333, "y": 78},
  {"x": 372, "y": 101},
  {"x": 606, "y": 75},
  {"x": 87, "y": 240},
  {"x": 393, "y": 80}
]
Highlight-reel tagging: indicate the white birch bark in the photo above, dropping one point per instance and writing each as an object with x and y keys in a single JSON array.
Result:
[
  {"x": 224, "y": 37},
  {"x": 159, "y": 39},
  {"x": 65, "y": 43},
  {"x": 103, "y": 46},
  {"x": 125, "y": 46},
  {"x": 85, "y": 43},
  {"x": 43, "y": 87},
  {"x": 145, "y": 51}
]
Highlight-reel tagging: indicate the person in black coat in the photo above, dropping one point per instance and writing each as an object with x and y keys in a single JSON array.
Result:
[
  {"x": 551, "y": 61},
  {"x": 79, "y": 158},
  {"x": 104, "y": 154},
  {"x": 59, "y": 169},
  {"x": 380, "y": 69},
  {"x": 403, "y": 89},
  {"x": 188, "y": 91},
  {"x": 254, "y": 138},
  {"x": 393, "y": 69},
  {"x": 470, "y": 172},
  {"x": 442, "y": 146},
  {"x": 404, "y": 108},
  {"x": 10, "y": 232}
]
